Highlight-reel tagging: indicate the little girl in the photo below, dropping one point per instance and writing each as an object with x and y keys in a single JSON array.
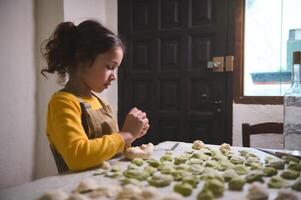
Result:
[{"x": 81, "y": 128}]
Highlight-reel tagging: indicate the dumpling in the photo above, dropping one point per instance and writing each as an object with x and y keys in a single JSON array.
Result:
[
  {"x": 54, "y": 195},
  {"x": 257, "y": 191},
  {"x": 86, "y": 185},
  {"x": 144, "y": 151},
  {"x": 198, "y": 144}
]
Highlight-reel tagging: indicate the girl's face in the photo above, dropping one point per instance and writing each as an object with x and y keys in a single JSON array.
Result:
[{"x": 103, "y": 71}]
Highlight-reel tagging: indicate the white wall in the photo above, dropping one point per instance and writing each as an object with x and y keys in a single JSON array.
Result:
[
  {"x": 243, "y": 113},
  {"x": 47, "y": 14},
  {"x": 18, "y": 91}
]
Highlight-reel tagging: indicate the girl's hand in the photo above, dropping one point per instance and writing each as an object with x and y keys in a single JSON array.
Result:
[
  {"x": 135, "y": 123},
  {"x": 144, "y": 130}
]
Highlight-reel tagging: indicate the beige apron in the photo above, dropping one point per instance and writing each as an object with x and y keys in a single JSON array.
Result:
[{"x": 96, "y": 123}]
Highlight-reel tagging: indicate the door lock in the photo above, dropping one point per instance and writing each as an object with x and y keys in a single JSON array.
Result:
[{"x": 219, "y": 64}]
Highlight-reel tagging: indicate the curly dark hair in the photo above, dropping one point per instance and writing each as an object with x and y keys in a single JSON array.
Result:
[{"x": 70, "y": 45}]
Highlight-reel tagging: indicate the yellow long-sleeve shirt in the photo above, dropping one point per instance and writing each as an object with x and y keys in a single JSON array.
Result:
[{"x": 66, "y": 133}]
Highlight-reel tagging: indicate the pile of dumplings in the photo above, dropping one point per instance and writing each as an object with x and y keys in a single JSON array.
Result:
[{"x": 202, "y": 169}]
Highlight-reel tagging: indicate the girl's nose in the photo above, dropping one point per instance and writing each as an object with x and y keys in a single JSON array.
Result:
[{"x": 113, "y": 77}]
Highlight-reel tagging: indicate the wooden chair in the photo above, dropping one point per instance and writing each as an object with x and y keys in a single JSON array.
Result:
[{"x": 262, "y": 128}]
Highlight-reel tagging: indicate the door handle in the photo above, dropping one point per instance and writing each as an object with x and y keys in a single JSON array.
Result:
[{"x": 217, "y": 64}]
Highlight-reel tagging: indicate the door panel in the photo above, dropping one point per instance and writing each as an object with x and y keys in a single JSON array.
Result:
[{"x": 164, "y": 72}]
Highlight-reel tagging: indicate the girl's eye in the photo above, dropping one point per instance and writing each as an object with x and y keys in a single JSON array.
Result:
[{"x": 110, "y": 67}]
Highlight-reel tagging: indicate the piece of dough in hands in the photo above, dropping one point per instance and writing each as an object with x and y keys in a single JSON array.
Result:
[{"x": 144, "y": 151}]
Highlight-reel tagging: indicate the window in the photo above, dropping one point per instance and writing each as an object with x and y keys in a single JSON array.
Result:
[{"x": 269, "y": 31}]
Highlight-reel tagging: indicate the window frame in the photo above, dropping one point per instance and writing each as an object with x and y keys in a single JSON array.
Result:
[{"x": 238, "y": 73}]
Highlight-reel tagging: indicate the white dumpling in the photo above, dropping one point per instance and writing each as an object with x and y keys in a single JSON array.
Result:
[
  {"x": 54, "y": 195},
  {"x": 86, "y": 184},
  {"x": 172, "y": 196},
  {"x": 150, "y": 193},
  {"x": 144, "y": 151},
  {"x": 225, "y": 146},
  {"x": 257, "y": 191},
  {"x": 286, "y": 194},
  {"x": 106, "y": 191},
  {"x": 77, "y": 196},
  {"x": 198, "y": 144},
  {"x": 105, "y": 165},
  {"x": 130, "y": 192}
]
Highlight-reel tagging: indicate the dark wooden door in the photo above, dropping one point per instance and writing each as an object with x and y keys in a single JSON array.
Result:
[{"x": 164, "y": 72}]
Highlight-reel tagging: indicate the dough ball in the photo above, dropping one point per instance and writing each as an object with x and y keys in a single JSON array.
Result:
[
  {"x": 144, "y": 151},
  {"x": 86, "y": 185},
  {"x": 198, "y": 144},
  {"x": 54, "y": 195}
]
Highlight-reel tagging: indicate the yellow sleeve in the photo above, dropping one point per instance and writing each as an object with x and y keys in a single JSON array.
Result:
[{"x": 66, "y": 133}]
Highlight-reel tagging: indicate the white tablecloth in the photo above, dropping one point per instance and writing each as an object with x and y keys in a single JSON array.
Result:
[{"x": 35, "y": 189}]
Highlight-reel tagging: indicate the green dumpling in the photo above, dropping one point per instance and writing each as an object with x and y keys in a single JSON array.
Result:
[
  {"x": 229, "y": 154},
  {"x": 199, "y": 155},
  {"x": 241, "y": 169},
  {"x": 229, "y": 174},
  {"x": 182, "y": 166},
  {"x": 237, "y": 160},
  {"x": 255, "y": 176},
  {"x": 137, "y": 161},
  {"x": 184, "y": 189},
  {"x": 225, "y": 164},
  {"x": 207, "y": 152},
  {"x": 132, "y": 181},
  {"x": 210, "y": 173},
  {"x": 297, "y": 185},
  {"x": 294, "y": 166},
  {"x": 195, "y": 161},
  {"x": 180, "y": 159},
  {"x": 290, "y": 174},
  {"x": 291, "y": 158},
  {"x": 166, "y": 169},
  {"x": 215, "y": 186},
  {"x": 179, "y": 174},
  {"x": 243, "y": 153},
  {"x": 251, "y": 160},
  {"x": 115, "y": 168},
  {"x": 114, "y": 174},
  {"x": 205, "y": 194},
  {"x": 237, "y": 183},
  {"x": 224, "y": 151},
  {"x": 151, "y": 170},
  {"x": 277, "y": 164},
  {"x": 160, "y": 180},
  {"x": 269, "y": 171},
  {"x": 136, "y": 174},
  {"x": 192, "y": 180},
  {"x": 166, "y": 157},
  {"x": 218, "y": 157},
  {"x": 132, "y": 166},
  {"x": 196, "y": 169},
  {"x": 277, "y": 182},
  {"x": 153, "y": 162},
  {"x": 212, "y": 163},
  {"x": 267, "y": 159},
  {"x": 255, "y": 166}
]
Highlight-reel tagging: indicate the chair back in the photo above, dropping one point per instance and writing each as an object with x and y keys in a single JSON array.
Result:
[
  {"x": 59, "y": 161},
  {"x": 262, "y": 128}
]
